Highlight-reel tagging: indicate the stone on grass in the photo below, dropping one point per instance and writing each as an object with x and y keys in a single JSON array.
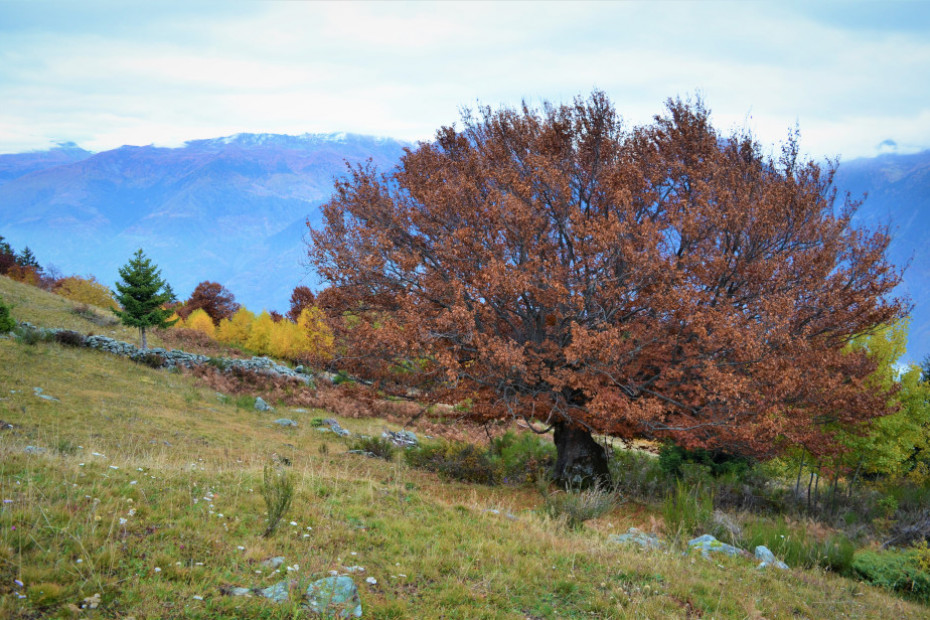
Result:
[
  {"x": 285, "y": 422},
  {"x": 768, "y": 558},
  {"x": 335, "y": 427},
  {"x": 38, "y": 392},
  {"x": 274, "y": 562},
  {"x": 402, "y": 438},
  {"x": 638, "y": 537},
  {"x": 334, "y": 596},
  {"x": 707, "y": 544},
  {"x": 261, "y": 405},
  {"x": 277, "y": 593},
  {"x": 33, "y": 450},
  {"x": 239, "y": 591}
]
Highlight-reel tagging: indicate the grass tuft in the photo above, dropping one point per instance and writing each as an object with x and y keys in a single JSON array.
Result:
[{"x": 277, "y": 491}]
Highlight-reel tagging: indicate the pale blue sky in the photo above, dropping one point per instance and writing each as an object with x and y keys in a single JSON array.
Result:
[{"x": 103, "y": 74}]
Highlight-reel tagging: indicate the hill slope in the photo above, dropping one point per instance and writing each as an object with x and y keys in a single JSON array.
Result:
[{"x": 140, "y": 494}]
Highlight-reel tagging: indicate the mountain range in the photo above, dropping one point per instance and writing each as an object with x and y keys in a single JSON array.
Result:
[
  {"x": 231, "y": 210},
  {"x": 234, "y": 210}
]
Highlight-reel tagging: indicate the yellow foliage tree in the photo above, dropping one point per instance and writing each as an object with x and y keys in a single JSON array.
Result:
[
  {"x": 87, "y": 290},
  {"x": 260, "y": 334},
  {"x": 200, "y": 321},
  {"x": 237, "y": 329},
  {"x": 318, "y": 337},
  {"x": 286, "y": 340}
]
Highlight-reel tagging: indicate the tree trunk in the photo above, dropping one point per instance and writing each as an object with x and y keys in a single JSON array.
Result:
[
  {"x": 797, "y": 483},
  {"x": 810, "y": 484},
  {"x": 144, "y": 345},
  {"x": 581, "y": 462}
]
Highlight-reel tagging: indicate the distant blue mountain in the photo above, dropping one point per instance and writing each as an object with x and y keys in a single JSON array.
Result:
[
  {"x": 898, "y": 194},
  {"x": 231, "y": 209},
  {"x": 234, "y": 210},
  {"x": 20, "y": 164}
]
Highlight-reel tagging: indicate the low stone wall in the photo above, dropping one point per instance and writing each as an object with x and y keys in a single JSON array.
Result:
[{"x": 176, "y": 358}]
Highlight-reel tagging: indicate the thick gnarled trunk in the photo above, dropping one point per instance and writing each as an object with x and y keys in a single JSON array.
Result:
[{"x": 581, "y": 461}]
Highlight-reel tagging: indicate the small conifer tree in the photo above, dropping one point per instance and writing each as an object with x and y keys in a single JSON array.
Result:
[{"x": 141, "y": 294}]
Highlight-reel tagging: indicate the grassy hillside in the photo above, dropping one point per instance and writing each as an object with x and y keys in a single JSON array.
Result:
[{"x": 143, "y": 487}]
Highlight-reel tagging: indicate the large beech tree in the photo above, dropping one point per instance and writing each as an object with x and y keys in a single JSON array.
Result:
[{"x": 663, "y": 281}]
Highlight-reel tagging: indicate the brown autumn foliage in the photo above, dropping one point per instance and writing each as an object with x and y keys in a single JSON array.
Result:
[
  {"x": 658, "y": 281},
  {"x": 302, "y": 297},
  {"x": 7, "y": 262},
  {"x": 215, "y": 300}
]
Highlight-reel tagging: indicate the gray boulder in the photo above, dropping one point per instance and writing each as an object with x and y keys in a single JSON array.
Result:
[
  {"x": 404, "y": 439},
  {"x": 334, "y": 596},
  {"x": 261, "y": 405},
  {"x": 768, "y": 558},
  {"x": 707, "y": 544},
  {"x": 285, "y": 422},
  {"x": 637, "y": 537},
  {"x": 336, "y": 428},
  {"x": 277, "y": 593}
]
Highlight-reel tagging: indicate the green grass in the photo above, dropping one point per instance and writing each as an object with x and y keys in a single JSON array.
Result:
[{"x": 184, "y": 468}]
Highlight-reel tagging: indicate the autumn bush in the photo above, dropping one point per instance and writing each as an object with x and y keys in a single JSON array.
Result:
[
  {"x": 308, "y": 341},
  {"x": 152, "y": 360},
  {"x": 200, "y": 321},
  {"x": 26, "y": 275},
  {"x": 69, "y": 338},
  {"x": 87, "y": 290},
  {"x": 235, "y": 329}
]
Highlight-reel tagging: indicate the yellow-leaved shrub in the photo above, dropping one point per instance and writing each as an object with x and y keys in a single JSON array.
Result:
[
  {"x": 260, "y": 333},
  {"x": 236, "y": 330},
  {"x": 199, "y": 320},
  {"x": 86, "y": 291},
  {"x": 318, "y": 337}
]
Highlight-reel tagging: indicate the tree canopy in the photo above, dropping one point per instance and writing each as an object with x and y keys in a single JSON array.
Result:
[
  {"x": 141, "y": 295},
  {"x": 214, "y": 298},
  {"x": 663, "y": 280}
]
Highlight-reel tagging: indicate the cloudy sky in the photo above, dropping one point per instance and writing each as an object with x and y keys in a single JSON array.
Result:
[{"x": 854, "y": 76}]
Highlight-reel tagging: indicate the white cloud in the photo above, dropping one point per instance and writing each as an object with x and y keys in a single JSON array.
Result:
[{"x": 405, "y": 69}]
